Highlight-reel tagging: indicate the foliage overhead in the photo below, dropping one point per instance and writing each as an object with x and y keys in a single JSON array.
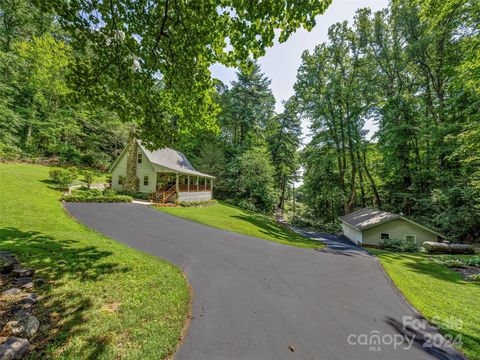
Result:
[{"x": 151, "y": 60}]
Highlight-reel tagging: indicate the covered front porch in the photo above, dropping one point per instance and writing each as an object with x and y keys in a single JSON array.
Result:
[{"x": 174, "y": 186}]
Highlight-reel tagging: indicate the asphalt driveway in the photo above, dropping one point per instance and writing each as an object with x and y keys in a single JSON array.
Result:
[{"x": 255, "y": 299}]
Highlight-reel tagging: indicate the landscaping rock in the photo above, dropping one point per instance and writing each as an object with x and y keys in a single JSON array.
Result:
[
  {"x": 6, "y": 267},
  {"x": 13, "y": 348},
  {"x": 7, "y": 256},
  {"x": 28, "y": 285},
  {"x": 11, "y": 292},
  {"x": 22, "y": 272},
  {"x": 25, "y": 282},
  {"x": 25, "y": 325},
  {"x": 8, "y": 262},
  {"x": 39, "y": 282},
  {"x": 28, "y": 301}
]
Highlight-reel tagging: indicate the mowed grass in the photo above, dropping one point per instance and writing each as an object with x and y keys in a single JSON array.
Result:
[
  {"x": 231, "y": 218},
  {"x": 438, "y": 293},
  {"x": 102, "y": 299}
]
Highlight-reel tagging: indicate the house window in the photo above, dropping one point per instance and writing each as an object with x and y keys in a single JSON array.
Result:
[
  {"x": 139, "y": 158},
  {"x": 185, "y": 181},
  {"x": 410, "y": 238},
  {"x": 145, "y": 180},
  {"x": 120, "y": 180},
  {"x": 384, "y": 236}
]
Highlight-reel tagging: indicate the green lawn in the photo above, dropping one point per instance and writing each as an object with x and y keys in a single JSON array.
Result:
[
  {"x": 231, "y": 218},
  {"x": 103, "y": 300},
  {"x": 438, "y": 293},
  {"x": 101, "y": 178}
]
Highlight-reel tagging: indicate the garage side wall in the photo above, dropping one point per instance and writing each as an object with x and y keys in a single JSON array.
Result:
[
  {"x": 397, "y": 229},
  {"x": 353, "y": 234}
]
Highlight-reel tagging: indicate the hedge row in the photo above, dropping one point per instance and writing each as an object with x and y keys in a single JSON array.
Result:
[{"x": 95, "y": 195}]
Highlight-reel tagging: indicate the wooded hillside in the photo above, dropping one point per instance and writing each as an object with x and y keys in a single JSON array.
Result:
[{"x": 413, "y": 70}]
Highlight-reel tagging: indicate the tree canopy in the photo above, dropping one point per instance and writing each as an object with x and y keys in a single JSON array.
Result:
[{"x": 403, "y": 68}]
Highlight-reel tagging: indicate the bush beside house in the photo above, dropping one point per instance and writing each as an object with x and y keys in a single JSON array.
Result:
[{"x": 95, "y": 195}]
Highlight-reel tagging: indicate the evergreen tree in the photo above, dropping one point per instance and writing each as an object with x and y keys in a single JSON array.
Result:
[
  {"x": 248, "y": 106},
  {"x": 284, "y": 139}
]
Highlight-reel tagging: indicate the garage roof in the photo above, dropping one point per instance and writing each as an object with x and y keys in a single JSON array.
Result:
[{"x": 367, "y": 217}]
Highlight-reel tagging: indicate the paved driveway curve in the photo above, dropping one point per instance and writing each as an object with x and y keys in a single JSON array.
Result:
[{"x": 255, "y": 299}]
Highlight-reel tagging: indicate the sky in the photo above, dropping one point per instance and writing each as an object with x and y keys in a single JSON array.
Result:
[{"x": 281, "y": 61}]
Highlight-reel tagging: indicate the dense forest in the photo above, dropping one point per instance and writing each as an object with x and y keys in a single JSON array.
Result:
[{"x": 412, "y": 69}]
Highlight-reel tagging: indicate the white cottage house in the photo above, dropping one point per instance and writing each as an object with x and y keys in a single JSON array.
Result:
[{"x": 166, "y": 174}]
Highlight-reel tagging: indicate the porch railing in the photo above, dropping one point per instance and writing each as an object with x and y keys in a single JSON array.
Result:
[{"x": 193, "y": 187}]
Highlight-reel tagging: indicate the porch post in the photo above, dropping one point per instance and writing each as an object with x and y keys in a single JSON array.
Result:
[
  {"x": 205, "y": 184},
  {"x": 176, "y": 184},
  {"x": 197, "y": 184},
  {"x": 211, "y": 187},
  {"x": 188, "y": 183}
]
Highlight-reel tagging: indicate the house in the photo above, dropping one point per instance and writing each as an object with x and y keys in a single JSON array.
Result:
[
  {"x": 166, "y": 174},
  {"x": 368, "y": 227}
]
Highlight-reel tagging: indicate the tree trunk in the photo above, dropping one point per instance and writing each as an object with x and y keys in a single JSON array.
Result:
[
  {"x": 293, "y": 198},
  {"x": 370, "y": 178},
  {"x": 131, "y": 180},
  {"x": 282, "y": 196},
  {"x": 360, "y": 177}
]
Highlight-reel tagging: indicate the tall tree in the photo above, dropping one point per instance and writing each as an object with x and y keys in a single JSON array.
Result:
[
  {"x": 334, "y": 97},
  {"x": 248, "y": 106},
  {"x": 404, "y": 67},
  {"x": 284, "y": 133}
]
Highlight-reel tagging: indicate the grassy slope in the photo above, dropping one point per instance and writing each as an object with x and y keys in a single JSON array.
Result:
[
  {"x": 108, "y": 301},
  {"x": 437, "y": 292},
  {"x": 231, "y": 218}
]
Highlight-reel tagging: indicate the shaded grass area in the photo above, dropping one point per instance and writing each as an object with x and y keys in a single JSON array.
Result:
[
  {"x": 439, "y": 294},
  {"x": 231, "y": 218},
  {"x": 101, "y": 300}
]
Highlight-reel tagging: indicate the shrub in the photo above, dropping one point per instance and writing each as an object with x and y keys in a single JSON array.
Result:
[
  {"x": 317, "y": 225},
  {"x": 450, "y": 261},
  {"x": 63, "y": 177},
  {"x": 454, "y": 263},
  {"x": 88, "y": 177},
  {"x": 474, "y": 277},
  {"x": 399, "y": 245},
  {"x": 10, "y": 152},
  {"x": 472, "y": 261},
  {"x": 245, "y": 204},
  {"x": 135, "y": 195},
  {"x": 95, "y": 195},
  {"x": 203, "y": 203},
  {"x": 54, "y": 174}
]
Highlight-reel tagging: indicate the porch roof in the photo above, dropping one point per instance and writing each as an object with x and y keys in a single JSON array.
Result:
[{"x": 173, "y": 160}]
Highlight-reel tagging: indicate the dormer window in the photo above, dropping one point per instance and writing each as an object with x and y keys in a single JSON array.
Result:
[{"x": 139, "y": 158}]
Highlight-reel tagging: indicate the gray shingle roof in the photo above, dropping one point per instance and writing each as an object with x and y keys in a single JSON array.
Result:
[
  {"x": 172, "y": 159},
  {"x": 367, "y": 217}
]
